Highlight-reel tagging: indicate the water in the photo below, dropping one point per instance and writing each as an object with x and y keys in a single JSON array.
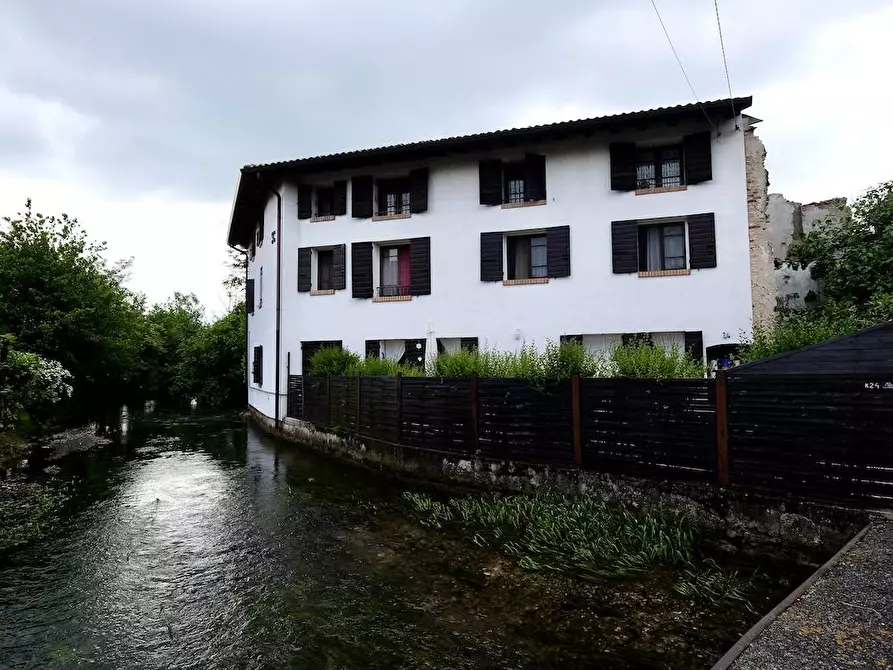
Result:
[{"x": 199, "y": 543}]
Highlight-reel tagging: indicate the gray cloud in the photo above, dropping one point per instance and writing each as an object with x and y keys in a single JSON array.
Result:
[{"x": 177, "y": 94}]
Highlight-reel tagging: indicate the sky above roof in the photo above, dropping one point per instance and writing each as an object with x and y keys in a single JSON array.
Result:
[{"x": 136, "y": 116}]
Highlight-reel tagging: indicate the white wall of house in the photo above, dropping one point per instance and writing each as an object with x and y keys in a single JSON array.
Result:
[{"x": 591, "y": 302}]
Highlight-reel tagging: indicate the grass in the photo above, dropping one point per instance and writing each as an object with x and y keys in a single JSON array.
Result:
[{"x": 583, "y": 537}]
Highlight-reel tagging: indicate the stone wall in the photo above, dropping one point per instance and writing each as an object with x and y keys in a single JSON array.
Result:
[
  {"x": 788, "y": 222},
  {"x": 761, "y": 260}
]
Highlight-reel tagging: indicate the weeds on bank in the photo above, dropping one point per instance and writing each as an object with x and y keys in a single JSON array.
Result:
[{"x": 583, "y": 537}]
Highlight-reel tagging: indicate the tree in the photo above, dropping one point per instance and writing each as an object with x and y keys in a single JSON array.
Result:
[
  {"x": 853, "y": 259},
  {"x": 62, "y": 301},
  {"x": 171, "y": 326},
  {"x": 234, "y": 284}
]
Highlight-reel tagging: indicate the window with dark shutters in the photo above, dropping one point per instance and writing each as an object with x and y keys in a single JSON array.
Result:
[
  {"x": 570, "y": 339},
  {"x": 694, "y": 345},
  {"x": 637, "y": 340},
  {"x": 468, "y": 343},
  {"x": 558, "y": 251},
  {"x": 420, "y": 265},
  {"x": 625, "y": 246},
  {"x": 304, "y": 263},
  {"x": 257, "y": 366},
  {"x": 491, "y": 257},
  {"x": 697, "y": 150},
  {"x": 623, "y": 166},
  {"x": 418, "y": 190},
  {"x": 361, "y": 269},
  {"x": 249, "y": 296},
  {"x": 490, "y": 176},
  {"x": 361, "y": 192},
  {"x": 339, "y": 278},
  {"x": 702, "y": 241},
  {"x": 373, "y": 348},
  {"x": 305, "y": 201},
  {"x": 413, "y": 353},
  {"x": 340, "y": 188}
]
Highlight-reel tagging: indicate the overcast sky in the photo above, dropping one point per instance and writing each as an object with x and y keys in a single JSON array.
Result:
[{"x": 136, "y": 116}]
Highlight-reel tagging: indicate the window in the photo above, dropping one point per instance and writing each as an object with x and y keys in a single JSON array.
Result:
[
  {"x": 637, "y": 340},
  {"x": 251, "y": 250},
  {"x": 395, "y": 278},
  {"x": 662, "y": 247},
  {"x": 393, "y": 197},
  {"x": 659, "y": 166},
  {"x": 257, "y": 366},
  {"x": 260, "y": 297},
  {"x": 513, "y": 183},
  {"x": 325, "y": 201},
  {"x": 527, "y": 256},
  {"x": 259, "y": 233},
  {"x": 325, "y": 264}
]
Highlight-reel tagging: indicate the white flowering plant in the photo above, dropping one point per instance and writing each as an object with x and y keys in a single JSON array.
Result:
[{"x": 27, "y": 382}]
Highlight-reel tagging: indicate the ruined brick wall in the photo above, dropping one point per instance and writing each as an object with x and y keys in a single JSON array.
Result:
[{"x": 762, "y": 263}]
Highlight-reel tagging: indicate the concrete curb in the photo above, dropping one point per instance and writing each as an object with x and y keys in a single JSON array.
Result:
[{"x": 748, "y": 638}]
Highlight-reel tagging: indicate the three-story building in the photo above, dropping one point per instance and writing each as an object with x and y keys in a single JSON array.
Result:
[{"x": 597, "y": 230}]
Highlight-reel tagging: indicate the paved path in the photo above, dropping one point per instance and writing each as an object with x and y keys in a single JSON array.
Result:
[{"x": 843, "y": 620}]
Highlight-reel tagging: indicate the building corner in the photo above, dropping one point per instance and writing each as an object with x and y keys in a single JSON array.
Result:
[{"x": 762, "y": 270}]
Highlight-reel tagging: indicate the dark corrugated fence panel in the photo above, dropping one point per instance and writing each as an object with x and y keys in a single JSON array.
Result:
[
  {"x": 295, "y": 403},
  {"x": 437, "y": 414},
  {"x": 649, "y": 428},
  {"x": 520, "y": 422}
]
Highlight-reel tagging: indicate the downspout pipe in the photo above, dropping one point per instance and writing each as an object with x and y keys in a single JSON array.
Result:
[{"x": 278, "y": 243}]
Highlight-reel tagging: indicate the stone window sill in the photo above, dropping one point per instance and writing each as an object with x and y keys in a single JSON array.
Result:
[
  {"x": 662, "y": 189},
  {"x": 392, "y": 298},
  {"x": 531, "y": 203},
  {"x": 665, "y": 273},
  {"x": 320, "y": 219},
  {"x": 525, "y": 282},
  {"x": 390, "y": 217},
  {"x": 323, "y": 291}
]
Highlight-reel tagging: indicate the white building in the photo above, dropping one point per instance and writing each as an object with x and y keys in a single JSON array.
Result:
[{"x": 595, "y": 229}]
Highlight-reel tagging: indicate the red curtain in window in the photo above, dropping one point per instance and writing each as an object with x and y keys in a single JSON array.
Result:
[{"x": 403, "y": 260}]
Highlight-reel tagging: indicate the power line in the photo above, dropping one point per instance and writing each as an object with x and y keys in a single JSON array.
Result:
[
  {"x": 725, "y": 63},
  {"x": 681, "y": 67}
]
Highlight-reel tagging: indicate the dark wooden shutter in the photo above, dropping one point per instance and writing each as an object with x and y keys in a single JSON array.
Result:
[
  {"x": 373, "y": 349},
  {"x": 558, "y": 251},
  {"x": 490, "y": 174},
  {"x": 361, "y": 192},
  {"x": 341, "y": 197},
  {"x": 339, "y": 279},
  {"x": 623, "y": 166},
  {"x": 361, "y": 269},
  {"x": 535, "y": 177},
  {"x": 468, "y": 343},
  {"x": 694, "y": 345},
  {"x": 491, "y": 257},
  {"x": 697, "y": 156},
  {"x": 624, "y": 246},
  {"x": 305, "y": 201},
  {"x": 413, "y": 353},
  {"x": 420, "y": 265},
  {"x": 249, "y": 296},
  {"x": 418, "y": 190},
  {"x": 304, "y": 264},
  {"x": 702, "y": 241}
]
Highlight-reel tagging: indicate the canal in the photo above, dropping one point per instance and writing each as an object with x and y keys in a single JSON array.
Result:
[{"x": 197, "y": 542}]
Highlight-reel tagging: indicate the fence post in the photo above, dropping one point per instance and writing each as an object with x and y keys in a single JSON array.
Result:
[
  {"x": 399, "y": 407},
  {"x": 475, "y": 411},
  {"x": 722, "y": 428},
  {"x": 577, "y": 420}
]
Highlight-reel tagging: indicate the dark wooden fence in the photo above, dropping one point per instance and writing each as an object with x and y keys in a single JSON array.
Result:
[{"x": 806, "y": 436}]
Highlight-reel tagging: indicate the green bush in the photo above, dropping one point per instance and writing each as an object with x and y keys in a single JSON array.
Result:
[
  {"x": 381, "y": 367},
  {"x": 332, "y": 361},
  {"x": 644, "y": 361},
  {"x": 556, "y": 362}
]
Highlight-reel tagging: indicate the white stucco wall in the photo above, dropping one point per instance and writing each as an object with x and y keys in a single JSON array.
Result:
[{"x": 592, "y": 301}]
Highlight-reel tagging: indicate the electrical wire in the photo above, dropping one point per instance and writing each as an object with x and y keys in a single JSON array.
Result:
[
  {"x": 681, "y": 67},
  {"x": 725, "y": 62}
]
